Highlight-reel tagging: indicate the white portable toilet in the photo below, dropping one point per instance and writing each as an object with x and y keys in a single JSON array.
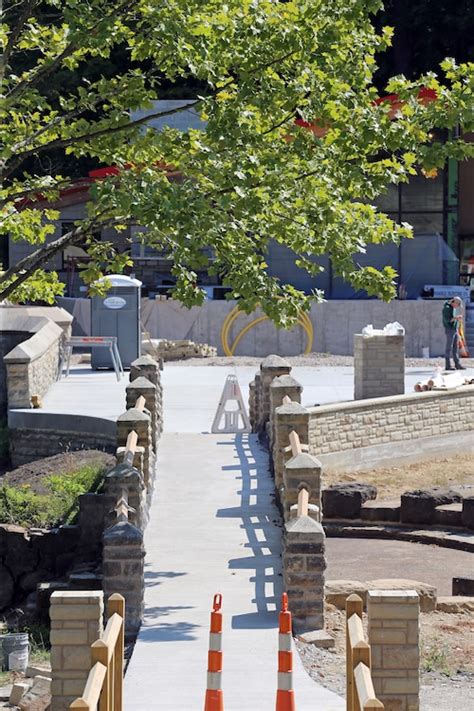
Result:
[{"x": 117, "y": 314}]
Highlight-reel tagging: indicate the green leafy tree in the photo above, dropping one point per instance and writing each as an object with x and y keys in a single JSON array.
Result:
[{"x": 254, "y": 174}]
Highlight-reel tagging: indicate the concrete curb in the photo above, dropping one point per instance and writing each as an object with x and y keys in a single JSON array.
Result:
[{"x": 456, "y": 538}]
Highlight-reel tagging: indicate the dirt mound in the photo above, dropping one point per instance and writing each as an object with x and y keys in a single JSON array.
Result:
[{"x": 34, "y": 473}]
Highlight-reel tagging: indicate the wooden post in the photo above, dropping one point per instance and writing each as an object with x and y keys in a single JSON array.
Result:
[
  {"x": 116, "y": 605},
  {"x": 303, "y": 501},
  {"x": 93, "y": 688},
  {"x": 100, "y": 653},
  {"x": 354, "y": 605}
]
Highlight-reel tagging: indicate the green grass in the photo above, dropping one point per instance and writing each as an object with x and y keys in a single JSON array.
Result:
[
  {"x": 436, "y": 659},
  {"x": 22, "y": 506}
]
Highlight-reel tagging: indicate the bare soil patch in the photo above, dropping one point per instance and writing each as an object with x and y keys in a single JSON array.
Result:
[
  {"x": 446, "y": 650},
  {"x": 310, "y": 360},
  {"x": 391, "y": 481},
  {"x": 34, "y": 474}
]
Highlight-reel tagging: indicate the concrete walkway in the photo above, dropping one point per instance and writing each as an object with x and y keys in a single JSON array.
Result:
[{"x": 213, "y": 528}]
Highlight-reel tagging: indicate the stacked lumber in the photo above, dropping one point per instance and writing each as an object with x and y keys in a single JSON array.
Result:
[
  {"x": 177, "y": 350},
  {"x": 446, "y": 381}
]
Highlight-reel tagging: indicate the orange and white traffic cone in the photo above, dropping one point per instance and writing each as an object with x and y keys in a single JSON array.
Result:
[
  {"x": 285, "y": 700},
  {"x": 214, "y": 697}
]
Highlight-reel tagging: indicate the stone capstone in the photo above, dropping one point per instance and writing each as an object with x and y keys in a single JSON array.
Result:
[
  {"x": 345, "y": 500},
  {"x": 426, "y": 593}
]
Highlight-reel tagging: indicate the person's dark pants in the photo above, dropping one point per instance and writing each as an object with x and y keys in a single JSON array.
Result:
[{"x": 451, "y": 346}]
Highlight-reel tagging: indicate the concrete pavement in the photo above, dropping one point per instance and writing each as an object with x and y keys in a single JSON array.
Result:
[{"x": 213, "y": 527}]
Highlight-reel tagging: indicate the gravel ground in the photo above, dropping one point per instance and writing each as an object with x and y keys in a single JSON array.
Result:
[
  {"x": 312, "y": 359},
  {"x": 447, "y": 647}
]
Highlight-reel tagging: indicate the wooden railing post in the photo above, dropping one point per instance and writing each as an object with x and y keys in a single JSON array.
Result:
[
  {"x": 116, "y": 605},
  {"x": 354, "y": 606},
  {"x": 100, "y": 653}
]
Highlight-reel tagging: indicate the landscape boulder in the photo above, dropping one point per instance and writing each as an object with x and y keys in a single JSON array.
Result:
[
  {"x": 337, "y": 591},
  {"x": 467, "y": 516},
  {"x": 345, "y": 500},
  {"x": 7, "y": 587},
  {"x": 419, "y": 506},
  {"x": 455, "y": 604}
]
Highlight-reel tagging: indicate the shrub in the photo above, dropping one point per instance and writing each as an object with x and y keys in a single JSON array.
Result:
[{"x": 24, "y": 507}]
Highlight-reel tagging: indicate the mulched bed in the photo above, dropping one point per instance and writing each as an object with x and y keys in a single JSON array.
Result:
[{"x": 33, "y": 474}]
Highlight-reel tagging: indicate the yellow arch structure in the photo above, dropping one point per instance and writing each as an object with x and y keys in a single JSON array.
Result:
[{"x": 229, "y": 350}]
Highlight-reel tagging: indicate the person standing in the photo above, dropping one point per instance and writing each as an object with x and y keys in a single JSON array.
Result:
[{"x": 451, "y": 324}]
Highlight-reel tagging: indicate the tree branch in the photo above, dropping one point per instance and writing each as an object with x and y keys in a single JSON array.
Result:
[
  {"x": 46, "y": 69},
  {"x": 29, "y": 264},
  {"x": 65, "y": 142},
  {"x": 15, "y": 33}
]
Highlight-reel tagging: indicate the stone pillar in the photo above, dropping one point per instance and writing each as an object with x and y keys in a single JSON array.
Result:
[
  {"x": 76, "y": 622},
  {"x": 281, "y": 387},
  {"x": 134, "y": 419},
  {"x": 301, "y": 471},
  {"x": 123, "y": 563},
  {"x": 379, "y": 366},
  {"x": 124, "y": 476},
  {"x": 287, "y": 418},
  {"x": 147, "y": 367},
  {"x": 137, "y": 459},
  {"x": 272, "y": 367},
  {"x": 304, "y": 564},
  {"x": 393, "y": 623},
  {"x": 143, "y": 386}
]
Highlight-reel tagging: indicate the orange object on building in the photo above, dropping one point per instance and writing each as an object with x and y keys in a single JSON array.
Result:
[
  {"x": 462, "y": 345},
  {"x": 285, "y": 700},
  {"x": 214, "y": 696}
]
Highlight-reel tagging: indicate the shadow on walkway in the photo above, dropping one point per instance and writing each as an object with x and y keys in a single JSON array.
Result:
[{"x": 262, "y": 524}]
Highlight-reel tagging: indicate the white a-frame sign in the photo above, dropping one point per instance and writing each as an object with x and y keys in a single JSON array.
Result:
[{"x": 231, "y": 415}]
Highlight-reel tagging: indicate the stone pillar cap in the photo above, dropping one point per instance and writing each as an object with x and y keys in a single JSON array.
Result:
[
  {"x": 274, "y": 361},
  {"x": 285, "y": 381},
  {"x": 306, "y": 526},
  {"x": 293, "y": 408},
  {"x": 145, "y": 360},
  {"x": 303, "y": 461},
  {"x": 122, "y": 470},
  {"x": 133, "y": 415},
  {"x": 123, "y": 533},
  {"x": 142, "y": 383}
]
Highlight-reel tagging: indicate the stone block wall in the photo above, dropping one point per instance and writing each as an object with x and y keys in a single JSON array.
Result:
[
  {"x": 286, "y": 419},
  {"x": 349, "y": 426},
  {"x": 123, "y": 570},
  {"x": 32, "y": 366},
  {"x": 304, "y": 564},
  {"x": 393, "y": 630},
  {"x": 300, "y": 471},
  {"x": 259, "y": 404},
  {"x": 76, "y": 622},
  {"x": 379, "y": 366},
  {"x": 27, "y": 445},
  {"x": 30, "y": 557}
]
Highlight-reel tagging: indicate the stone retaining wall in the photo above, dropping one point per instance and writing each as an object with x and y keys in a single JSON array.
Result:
[
  {"x": 390, "y": 420},
  {"x": 27, "y": 445},
  {"x": 30, "y": 365}
]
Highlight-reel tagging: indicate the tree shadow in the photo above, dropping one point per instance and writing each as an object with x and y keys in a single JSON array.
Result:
[{"x": 154, "y": 630}]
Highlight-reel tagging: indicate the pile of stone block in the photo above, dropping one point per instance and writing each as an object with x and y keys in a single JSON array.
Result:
[
  {"x": 177, "y": 350},
  {"x": 31, "y": 692}
]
